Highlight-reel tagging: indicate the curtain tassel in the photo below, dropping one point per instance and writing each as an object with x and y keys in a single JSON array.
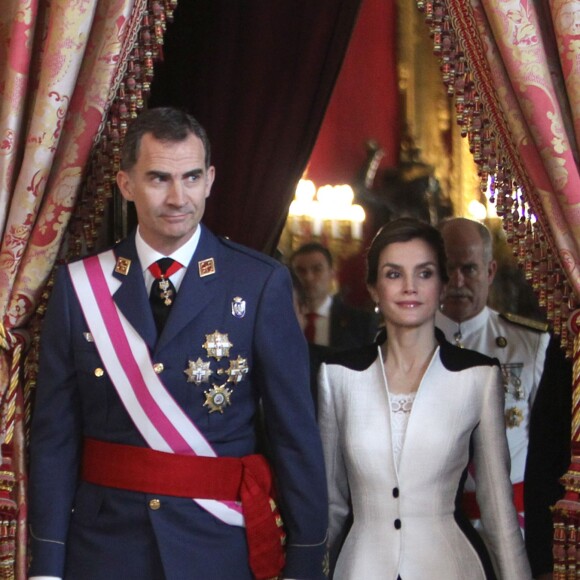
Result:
[{"x": 8, "y": 515}]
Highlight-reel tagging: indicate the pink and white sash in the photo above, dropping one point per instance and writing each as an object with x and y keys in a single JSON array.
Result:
[{"x": 125, "y": 355}]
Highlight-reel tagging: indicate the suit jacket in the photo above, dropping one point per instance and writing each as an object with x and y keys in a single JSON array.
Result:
[
  {"x": 350, "y": 327},
  {"x": 90, "y": 532},
  {"x": 548, "y": 456},
  {"x": 405, "y": 519}
]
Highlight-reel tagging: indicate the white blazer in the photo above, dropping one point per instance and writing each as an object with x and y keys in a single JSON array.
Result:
[{"x": 405, "y": 521}]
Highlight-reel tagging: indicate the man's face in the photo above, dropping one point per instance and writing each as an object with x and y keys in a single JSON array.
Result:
[
  {"x": 169, "y": 185},
  {"x": 470, "y": 275},
  {"x": 315, "y": 274}
]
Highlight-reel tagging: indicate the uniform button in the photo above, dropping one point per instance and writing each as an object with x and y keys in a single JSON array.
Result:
[
  {"x": 158, "y": 368},
  {"x": 99, "y": 372},
  {"x": 395, "y": 492},
  {"x": 397, "y": 524},
  {"x": 154, "y": 504}
]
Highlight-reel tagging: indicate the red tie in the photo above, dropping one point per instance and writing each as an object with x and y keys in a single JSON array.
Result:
[{"x": 310, "y": 328}]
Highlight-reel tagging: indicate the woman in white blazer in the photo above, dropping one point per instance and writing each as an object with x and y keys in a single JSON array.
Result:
[{"x": 400, "y": 420}]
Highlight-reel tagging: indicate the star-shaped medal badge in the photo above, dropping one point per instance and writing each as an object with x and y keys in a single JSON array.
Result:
[
  {"x": 513, "y": 417},
  {"x": 238, "y": 370},
  {"x": 217, "y": 345},
  {"x": 198, "y": 372},
  {"x": 217, "y": 398}
]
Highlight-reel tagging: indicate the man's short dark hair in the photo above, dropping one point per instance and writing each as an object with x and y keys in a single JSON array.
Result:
[
  {"x": 311, "y": 248},
  {"x": 165, "y": 124}
]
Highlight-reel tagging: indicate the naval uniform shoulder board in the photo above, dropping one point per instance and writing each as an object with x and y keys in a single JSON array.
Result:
[{"x": 529, "y": 323}]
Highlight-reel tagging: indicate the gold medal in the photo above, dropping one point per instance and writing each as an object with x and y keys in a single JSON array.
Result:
[
  {"x": 198, "y": 372},
  {"x": 166, "y": 291},
  {"x": 513, "y": 417},
  {"x": 217, "y": 398},
  {"x": 238, "y": 370},
  {"x": 217, "y": 345}
]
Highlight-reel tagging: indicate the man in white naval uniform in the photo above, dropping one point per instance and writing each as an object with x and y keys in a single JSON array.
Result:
[{"x": 518, "y": 343}]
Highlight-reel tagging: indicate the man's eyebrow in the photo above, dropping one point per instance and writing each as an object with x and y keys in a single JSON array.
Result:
[
  {"x": 193, "y": 173},
  {"x": 158, "y": 173}
]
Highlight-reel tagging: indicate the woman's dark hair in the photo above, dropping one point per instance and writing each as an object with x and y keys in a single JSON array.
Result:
[
  {"x": 165, "y": 124},
  {"x": 404, "y": 230}
]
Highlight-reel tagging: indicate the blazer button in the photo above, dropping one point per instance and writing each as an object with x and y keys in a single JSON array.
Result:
[
  {"x": 158, "y": 368},
  {"x": 397, "y": 524},
  {"x": 395, "y": 492},
  {"x": 154, "y": 504}
]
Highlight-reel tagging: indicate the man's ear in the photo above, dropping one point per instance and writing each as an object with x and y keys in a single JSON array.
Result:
[
  {"x": 125, "y": 185},
  {"x": 209, "y": 180}
]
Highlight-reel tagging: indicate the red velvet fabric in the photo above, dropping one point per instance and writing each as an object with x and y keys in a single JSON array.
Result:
[{"x": 365, "y": 101}]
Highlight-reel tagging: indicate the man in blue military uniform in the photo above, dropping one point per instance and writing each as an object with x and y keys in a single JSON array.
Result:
[{"x": 155, "y": 357}]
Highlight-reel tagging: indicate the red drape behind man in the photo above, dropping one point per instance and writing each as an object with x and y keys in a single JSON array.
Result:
[{"x": 258, "y": 75}]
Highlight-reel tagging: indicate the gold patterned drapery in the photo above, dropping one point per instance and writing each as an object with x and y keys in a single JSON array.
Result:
[
  {"x": 71, "y": 75},
  {"x": 513, "y": 70}
]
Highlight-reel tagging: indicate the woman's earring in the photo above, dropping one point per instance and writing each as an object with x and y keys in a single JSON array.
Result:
[{"x": 377, "y": 309}]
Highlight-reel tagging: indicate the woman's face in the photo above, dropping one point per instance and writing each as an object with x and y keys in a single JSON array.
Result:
[{"x": 408, "y": 288}]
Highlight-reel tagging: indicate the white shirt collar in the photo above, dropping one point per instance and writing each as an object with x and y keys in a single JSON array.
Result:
[
  {"x": 147, "y": 255},
  {"x": 324, "y": 308}
]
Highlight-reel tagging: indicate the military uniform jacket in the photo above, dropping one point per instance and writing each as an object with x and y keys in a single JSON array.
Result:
[
  {"x": 404, "y": 519},
  {"x": 521, "y": 352},
  {"x": 87, "y": 532}
]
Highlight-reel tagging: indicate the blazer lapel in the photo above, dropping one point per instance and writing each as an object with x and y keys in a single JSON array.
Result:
[
  {"x": 131, "y": 297},
  {"x": 196, "y": 290}
]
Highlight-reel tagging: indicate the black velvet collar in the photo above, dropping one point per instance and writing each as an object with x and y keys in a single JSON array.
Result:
[{"x": 454, "y": 358}]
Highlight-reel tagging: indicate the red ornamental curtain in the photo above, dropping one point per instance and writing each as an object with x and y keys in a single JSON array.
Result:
[
  {"x": 513, "y": 68},
  {"x": 61, "y": 64}
]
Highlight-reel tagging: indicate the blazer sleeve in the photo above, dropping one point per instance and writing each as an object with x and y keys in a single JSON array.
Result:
[
  {"x": 55, "y": 445},
  {"x": 338, "y": 490},
  {"x": 494, "y": 490},
  {"x": 282, "y": 372}
]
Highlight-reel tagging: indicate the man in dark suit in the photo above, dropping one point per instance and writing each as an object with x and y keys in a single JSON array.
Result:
[
  {"x": 154, "y": 359},
  {"x": 328, "y": 320}
]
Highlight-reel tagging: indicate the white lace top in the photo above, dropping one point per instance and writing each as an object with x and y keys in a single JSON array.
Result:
[{"x": 401, "y": 406}]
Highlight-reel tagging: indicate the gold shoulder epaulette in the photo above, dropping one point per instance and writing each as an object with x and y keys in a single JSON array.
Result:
[{"x": 526, "y": 322}]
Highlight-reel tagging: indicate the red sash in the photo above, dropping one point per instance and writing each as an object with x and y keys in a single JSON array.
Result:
[{"x": 247, "y": 479}]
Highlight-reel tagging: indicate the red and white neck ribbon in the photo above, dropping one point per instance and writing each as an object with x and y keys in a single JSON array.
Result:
[{"x": 160, "y": 420}]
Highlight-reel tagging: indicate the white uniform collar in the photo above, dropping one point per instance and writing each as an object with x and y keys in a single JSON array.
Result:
[{"x": 465, "y": 328}]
